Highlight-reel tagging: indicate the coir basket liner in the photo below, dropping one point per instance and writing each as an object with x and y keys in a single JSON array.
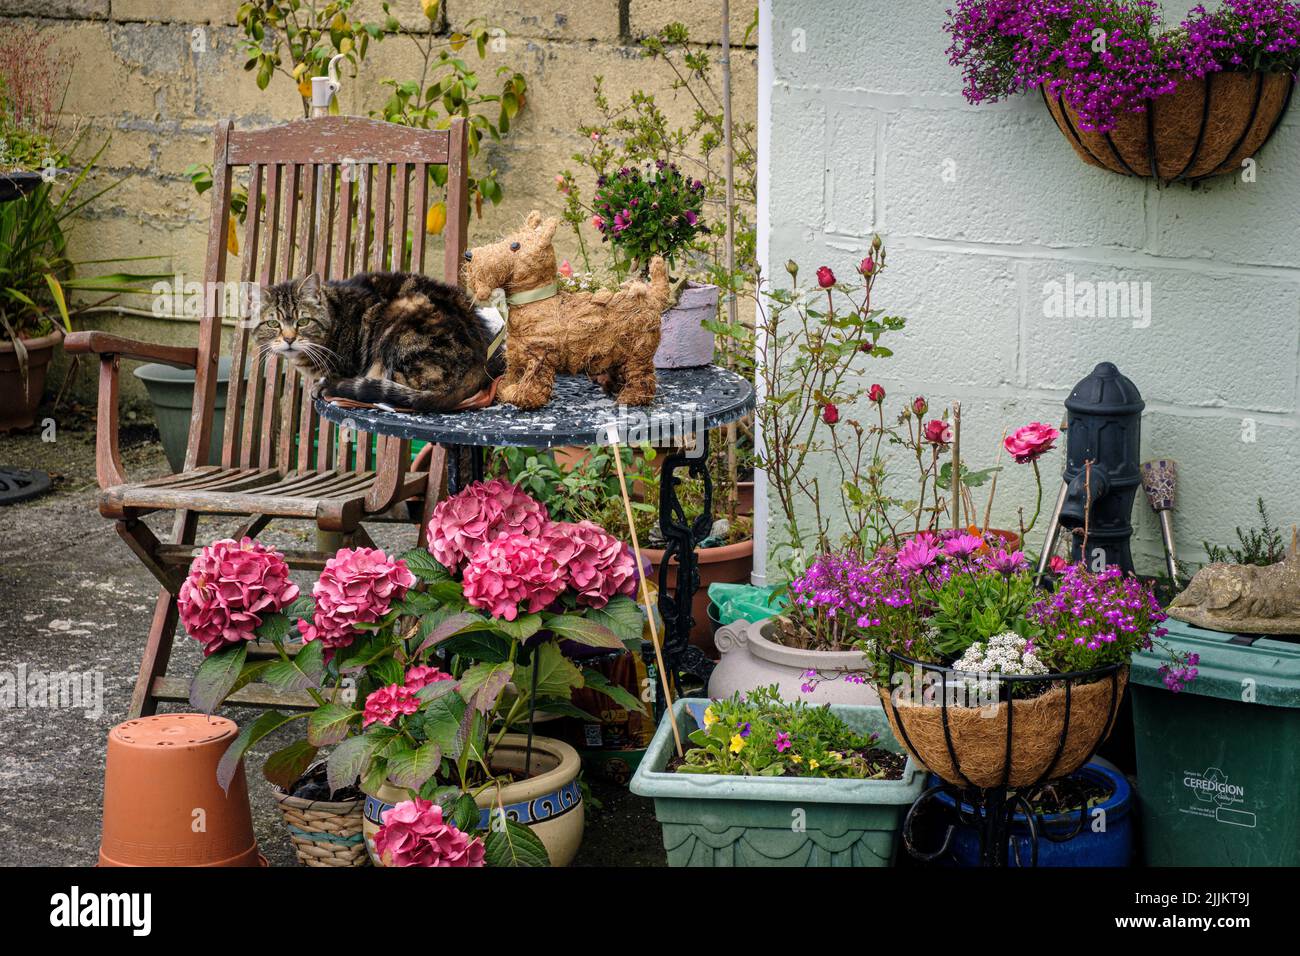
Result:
[
  {"x": 977, "y": 736},
  {"x": 1206, "y": 127}
]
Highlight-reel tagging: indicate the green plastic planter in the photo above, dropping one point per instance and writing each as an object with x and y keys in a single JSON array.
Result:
[
  {"x": 776, "y": 821},
  {"x": 1218, "y": 778},
  {"x": 171, "y": 390}
]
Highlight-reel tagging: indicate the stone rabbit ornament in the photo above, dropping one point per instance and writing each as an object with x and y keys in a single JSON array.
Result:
[{"x": 609, "y": 335}]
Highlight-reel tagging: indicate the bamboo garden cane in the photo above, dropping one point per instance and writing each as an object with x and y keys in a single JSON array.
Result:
[{"x": 611, "y": 435}]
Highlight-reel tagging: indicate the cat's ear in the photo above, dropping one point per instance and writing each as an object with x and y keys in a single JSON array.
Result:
[
  {"x": 534, "y": 219},
  {"x": 308, "y": 287}
]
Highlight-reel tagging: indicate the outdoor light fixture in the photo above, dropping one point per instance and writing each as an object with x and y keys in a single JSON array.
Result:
[{"x": 1102, "y": 471}]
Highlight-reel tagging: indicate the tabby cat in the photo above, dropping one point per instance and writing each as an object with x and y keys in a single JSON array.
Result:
[{"x": 386, "y": 338}]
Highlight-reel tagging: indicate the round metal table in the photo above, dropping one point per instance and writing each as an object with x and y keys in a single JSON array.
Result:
[{"x": 688, "y": 402}]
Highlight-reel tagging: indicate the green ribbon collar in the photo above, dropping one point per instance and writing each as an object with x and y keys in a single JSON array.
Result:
[{"x": 533, "y": 295}]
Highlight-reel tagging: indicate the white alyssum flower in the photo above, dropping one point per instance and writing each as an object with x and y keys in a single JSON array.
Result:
[{"x": 1006, "y": 653}]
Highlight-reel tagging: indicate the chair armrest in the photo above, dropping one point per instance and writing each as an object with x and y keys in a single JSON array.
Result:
[{"x": 101, "y": 343}]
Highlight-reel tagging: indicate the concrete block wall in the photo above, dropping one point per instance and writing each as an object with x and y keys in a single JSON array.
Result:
[
  {"x": 139, "y": 79},
  {"x": 984, "y": 209}
]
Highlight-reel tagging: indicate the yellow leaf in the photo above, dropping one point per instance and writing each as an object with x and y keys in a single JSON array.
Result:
[
  {"x": 345, "y": 45},
  {"x": 458, "y": 41},
  {"x": 299, "y": 70},
  {"x": 232, "y": 237},
  {"x": 436, "y": 219},
  {"x": 430, "y": 8},
  {"x": 304, "y": 88}
]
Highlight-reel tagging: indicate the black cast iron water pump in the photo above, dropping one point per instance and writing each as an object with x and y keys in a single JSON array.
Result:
[{"x": 1102, "y": 467}]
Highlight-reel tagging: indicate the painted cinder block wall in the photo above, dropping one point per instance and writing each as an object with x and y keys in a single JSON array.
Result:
[{"x": 984, "y": 209}]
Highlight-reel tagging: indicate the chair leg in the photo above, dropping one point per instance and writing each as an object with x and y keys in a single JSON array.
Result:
[
  {"x": 434, "y": 489},
  {"x": 157, "y": 653},
  {"x": 145, "y": 545}
]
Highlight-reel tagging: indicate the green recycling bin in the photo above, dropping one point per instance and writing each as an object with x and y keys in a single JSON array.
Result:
[{"x": 1219, "y": 763}]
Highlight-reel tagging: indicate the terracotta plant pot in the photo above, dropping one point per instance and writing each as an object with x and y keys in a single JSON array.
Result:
[
  {"x": 162, "y": 803},
  {"x": 977, "y": 736},
  {"x": 549, "y": 802},
  {"x": 751, "y": 659},
  {"x": 731, "y": 564},
  {"x": 18, "y": 406},
  {"x": 684, "y": 342},
  {"x": 1206, "y": 127}
]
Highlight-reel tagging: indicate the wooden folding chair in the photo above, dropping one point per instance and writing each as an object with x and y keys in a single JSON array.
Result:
[{"x": 330, "y": 195}]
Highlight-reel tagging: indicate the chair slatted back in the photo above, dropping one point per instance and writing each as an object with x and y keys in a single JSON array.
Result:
[{"x": 334, "y": 195}]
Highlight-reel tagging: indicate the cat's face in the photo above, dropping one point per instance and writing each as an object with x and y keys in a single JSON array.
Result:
[
  {"x": 522, "y": 260},
  {"x": 293, "y": 321}
]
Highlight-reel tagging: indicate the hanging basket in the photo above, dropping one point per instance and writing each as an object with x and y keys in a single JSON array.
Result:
[
  {"x": 1205, "y": 128},
  {"x": 324, "y": 833},
  {"x": 1019, "y": 742}
]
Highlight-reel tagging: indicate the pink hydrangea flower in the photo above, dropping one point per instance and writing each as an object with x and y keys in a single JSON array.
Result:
[
  {"x": 421, "y": 676},
  {"x": 482, "y": 512},
  {"x": 357, "y": 586},
  {"x": 230, "y": 586},
  {"x": 388, "y": 703},
  {"x": 413, "y": 834},
  {"x": 510, "y": 571},
  {"x": 596, "y": 565}
]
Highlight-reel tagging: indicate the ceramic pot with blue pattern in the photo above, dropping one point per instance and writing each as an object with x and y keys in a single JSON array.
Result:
[{"x": 549, "y": 802}]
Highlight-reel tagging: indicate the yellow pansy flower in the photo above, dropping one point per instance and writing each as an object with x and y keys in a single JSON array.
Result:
[
  {"x": 737, "y": 743},
  {"x": 710, "y": 718},
  {"x": 796, "y": 759},
  {"x": 813, "y": 764}
]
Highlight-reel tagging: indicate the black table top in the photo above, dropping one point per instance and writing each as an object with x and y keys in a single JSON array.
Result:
[{"x": 686, "y": 401}]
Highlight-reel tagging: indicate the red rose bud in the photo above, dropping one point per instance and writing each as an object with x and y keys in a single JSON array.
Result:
[
  {"x": 919, "y": 405},
  {"x": 938, "y": 432},
  {"x": 825, "y": 278},
  {"x": 830, "y": 414},
  {"x": 1058, "y": 564},
  {"x": 867, "y": 266},
  {"x": 876, "y": 393}
]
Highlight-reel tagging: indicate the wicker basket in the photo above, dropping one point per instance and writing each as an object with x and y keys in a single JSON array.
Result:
[
  {"x": 1051, "y": 736},
  {"x": 1205, "y": 128},
  {"x": 324, "y": 833}
]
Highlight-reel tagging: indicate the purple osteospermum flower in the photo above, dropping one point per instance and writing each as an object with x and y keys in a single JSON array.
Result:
[
  {"x": 962, "y": 545},
  {"x": 917, "y": 554},
  {"x": 1007, "y": 563}
]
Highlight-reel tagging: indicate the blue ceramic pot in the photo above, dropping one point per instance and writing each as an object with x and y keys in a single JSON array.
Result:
[{"x": 1106, "y": 838}]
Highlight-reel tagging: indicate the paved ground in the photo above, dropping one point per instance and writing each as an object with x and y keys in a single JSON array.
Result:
[{"x": 73, "y": 598}]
